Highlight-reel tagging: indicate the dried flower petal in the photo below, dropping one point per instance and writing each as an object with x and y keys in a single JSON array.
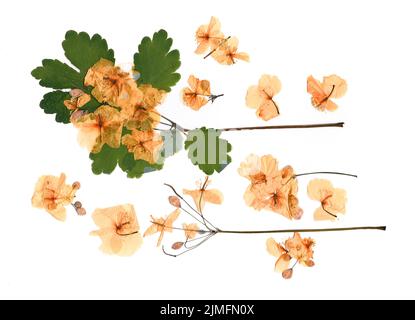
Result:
[
  {"x": 208, "y": 36},
  {"x": 332, "y": 87},
  {"x": 332, "y": 200},
  {"x": 118, "y": 229},
  {"x": 145, "y": 145},
  {"x": 196, "y": 95},
  {"x": 52, "y": 194},
  {"x": 162, "y": 225},
  {"x": 260, "y": 97},
  {"x": 202, "y": 195},
  {"x": 104, "y": 126},
  {"x": 227, "y": 53}
]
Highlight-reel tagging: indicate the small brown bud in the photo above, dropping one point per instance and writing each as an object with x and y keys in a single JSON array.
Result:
[
  {"x": 75, "y": 93},
  {"x": 78, "y": 204},
  {"x": 287, "y": 274},
  {"x": 309, "y": 263},
  {"x": 177, "y": 245},
  {"x": 81, "y": 211},
  {"x": 76, "y": 185},
  {"x": 175, "y": 201}
]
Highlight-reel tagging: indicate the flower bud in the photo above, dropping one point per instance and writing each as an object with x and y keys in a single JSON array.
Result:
[
  {"x": 177, "y": 245},
  {"x": 175, "y": 201},
  {"x": 287, "y": 274}
]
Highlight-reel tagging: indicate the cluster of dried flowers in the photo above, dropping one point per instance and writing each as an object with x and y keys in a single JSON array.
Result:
[
  {"x": 270, "y": 188},
  {"x": 223, "y": 49},
  {"x": 124, "y": 106}
]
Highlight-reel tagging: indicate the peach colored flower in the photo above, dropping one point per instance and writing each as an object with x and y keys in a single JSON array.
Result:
[
  {"x": 295, "y": 248},
  {"x": 201, "y": 195},
  {"x": 270, "y": 188},
  {"x": 190, "y": 230},
  {"x": 104, "y": 126},
  {"x": 78, "y": 99},
  {"x": 208, "y": 36},
  {"x": 332, "y": 200},
  {"x": 260, "y": 97},
  {"x": 196, "y": 95},
  {"x": 227, "y": 53},
  {"x": 144, "y": 115},
  {"x": 52, "y": 194},
  {"x": 162, "y": 225},
  {"x": 322, "y": 92},
  {"x": 113, "y": 86},
  {"x": 118, "y": 229},
  {"x": 145, "y": 145}
]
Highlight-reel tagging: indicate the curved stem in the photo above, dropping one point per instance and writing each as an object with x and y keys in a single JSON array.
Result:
[
  {"x": 288, "y": 126},
  {"x": 326, "y": 172},
  {"x": 382, "y": 228}
]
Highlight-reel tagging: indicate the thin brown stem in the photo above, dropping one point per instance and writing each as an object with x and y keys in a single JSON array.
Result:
[
  {"x": 219, "y": 45},
  {"x": 288, "y": 126},
  {"x": 382, "y": 228},
  {"x": 326, "y": 172}
]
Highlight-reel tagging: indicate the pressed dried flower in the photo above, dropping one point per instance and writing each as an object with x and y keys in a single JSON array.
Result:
[
  {"x": 322, "y": 92},
  {"x": 53, "y": 194},
  {"x": 208, "y": 36},
  {"x": 260, "y": 97},
  {"x": 145, "y": 145},
  {"x": 162, "y": 225},
  {"x": 332, "y": 200},
  {"x": 118, "y": 229}
]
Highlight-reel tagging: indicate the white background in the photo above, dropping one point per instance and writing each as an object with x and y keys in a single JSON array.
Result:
[{"x": 369, "y": 43}]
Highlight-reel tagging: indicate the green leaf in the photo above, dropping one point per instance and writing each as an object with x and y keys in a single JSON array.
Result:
[
  {"x": 84, "y": 51},
  {"x": 52, "y": 103},
  {"x": 136, "y": 168},
  {"x": 155, "y": 63},
  {"x": 57, "y": 75},
  {"x": 106, "y": 160},
  {"x": 207, "y": 150}
]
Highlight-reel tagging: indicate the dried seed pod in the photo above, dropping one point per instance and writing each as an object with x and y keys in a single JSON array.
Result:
[
  {"x": 177, "y": 245},
  {"x": 309, "y": 263},
  {"x": 81, "y": 211},
  {"x": 175, "y": 201},
  {"x": 76, "y": 185},
  {"x": 287, "y": 274},
  {"x": 78, "y": 204}
]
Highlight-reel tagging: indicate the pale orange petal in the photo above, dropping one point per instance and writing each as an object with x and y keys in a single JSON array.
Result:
[
  {"x": 339, "y": 84},
  {"x": 282, "y": 263}
]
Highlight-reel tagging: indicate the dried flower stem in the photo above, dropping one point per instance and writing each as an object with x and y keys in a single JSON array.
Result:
[
  {"x": 219, "y": 45},
  {"x": 382, "y": 228},
  {"x": 326, "y": 172}
]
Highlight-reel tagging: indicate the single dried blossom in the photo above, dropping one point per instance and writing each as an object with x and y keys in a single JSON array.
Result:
[
  {"x": 227, "y": 53},
  {"x": 118, "y": 229},
  {"x": 201, "y": 195},
  {"x": 197, "y": 94},
  {"x": 104, "y": 126},
  {"x": 208, "y": 36},
  {"x": 332, "y": 200},
  {"x": 53, "y": 194},
  {"x": 322, "y": 92},
  {"x": 162, "y": 225},
  {"x": 296, "y": 248},
  {"x": 260, "y": 97},
  {"x": 145, "y": 145}
]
